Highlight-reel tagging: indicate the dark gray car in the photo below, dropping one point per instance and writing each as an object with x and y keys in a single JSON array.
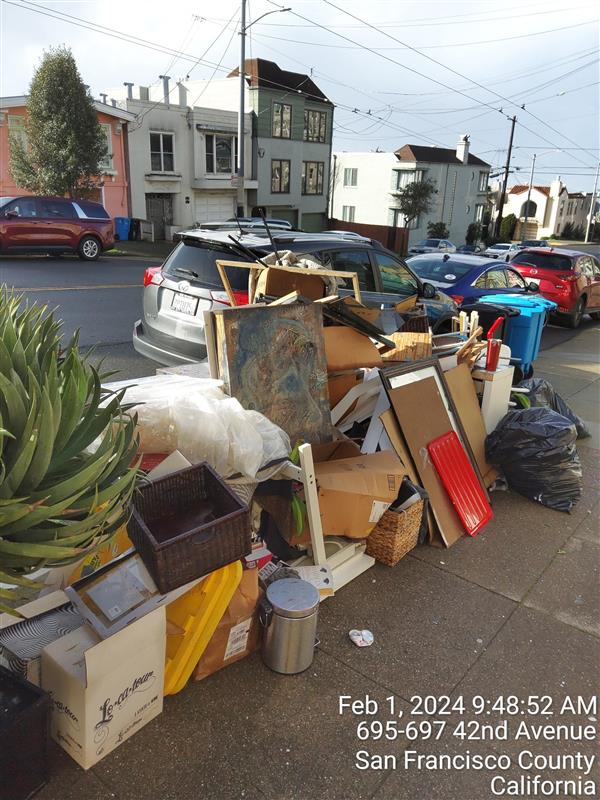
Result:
[{"x": 177, "y": 294}]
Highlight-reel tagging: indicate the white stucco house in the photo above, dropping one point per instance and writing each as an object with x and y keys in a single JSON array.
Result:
[{"x": 363, "y": 187}]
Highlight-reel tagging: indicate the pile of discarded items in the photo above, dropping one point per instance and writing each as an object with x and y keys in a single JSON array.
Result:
[{"x": 324, "y": 435}]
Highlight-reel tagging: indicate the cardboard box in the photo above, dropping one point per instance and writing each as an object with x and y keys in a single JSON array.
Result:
[
  {"x": 22, "y": 640},
  {"x": 238, "y": 633},
  {"x": 354, "y": 490},
  {"x": 338, "y": 386},
  {"x": 104, "y": 691},
  {"x": 345, "y": 348}
]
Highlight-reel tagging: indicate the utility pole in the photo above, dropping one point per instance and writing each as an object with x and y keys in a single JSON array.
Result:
[
  {"x": 241, "y": 150},
  {"x": 500, "y": 204},
  {"x": 592, "y": 206},
  {"x": 524, "y": 231}
]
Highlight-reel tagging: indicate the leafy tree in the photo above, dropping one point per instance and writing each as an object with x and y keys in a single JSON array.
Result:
[
  {"x": 473, "y": 233},
  {"x": 578, "y": 233},
  {"x": 414, "y": 199},
  {"x": 507, "y": 227},
  {"x": 65, "y": 143},
  {"x": 437, "y": 230}
]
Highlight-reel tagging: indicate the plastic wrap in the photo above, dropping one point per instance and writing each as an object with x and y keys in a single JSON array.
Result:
[
  {"x": 542, "y": 395},
  {"x": 535, "y": 449}
]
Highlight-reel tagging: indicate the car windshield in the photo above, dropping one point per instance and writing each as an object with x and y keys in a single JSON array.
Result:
[
  {"x": 429, "y": 243},
  {"x": 446, "y": 271},
  {"x": 500, "y": 247},
  {"x": 5, "y": 200},
  {"x": 533, "y": 243},
  {"x": 543, "y": 260},
  {"x": 189, "y": 259}
]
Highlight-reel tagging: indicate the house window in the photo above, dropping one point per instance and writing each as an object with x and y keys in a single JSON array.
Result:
[
  {"x": 479, "y": 211},
  {"x": 348, "y": 213},
  {"x": 107, "y": 162},
  {"x": 280, "y": 176},
  {"x": 16, "y": 130},
  {"x": 350, "y": 176},
  {"x": 221, "y": 154},
  {"x": 483, "y": 181},
  {"x": 315, "y": 126},
  {"x": 312, "y": 177},
  {"x": 282, "y": 121},
  {"x": 406, "y": 176},
  {"x": 161, "y": 152}
]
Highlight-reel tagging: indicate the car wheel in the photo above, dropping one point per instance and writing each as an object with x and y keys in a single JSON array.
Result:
[
  {"x": 574, "y": 320},
  {"x": 89, "y": 248}
]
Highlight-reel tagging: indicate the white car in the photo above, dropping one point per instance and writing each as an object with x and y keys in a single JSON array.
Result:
[
  {"x": 432, "y": 246},
  {"x": 502, "y": 250}
]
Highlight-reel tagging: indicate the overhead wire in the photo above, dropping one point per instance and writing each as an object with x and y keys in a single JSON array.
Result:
[{"x": 217, "y": 66}]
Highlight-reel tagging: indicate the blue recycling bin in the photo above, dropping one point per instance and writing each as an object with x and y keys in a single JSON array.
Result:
[
  {"x": 524, "y": 332},
  {"x": 122, "y": 228}
]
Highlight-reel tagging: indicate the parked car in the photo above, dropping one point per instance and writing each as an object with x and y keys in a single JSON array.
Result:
[
  {"x": 54, "y": 225},
  {"x": 246, "y": 223},
  {"x": 176, "y": 294},
  {"x": 432, "y": 246},
  {"x": 569, "y": 277},
  {"x": 470, "y": 249},
  {"x": 280, "y": 223},
  {"x": 466, "y": 278},
  {"x": 534, "y": 243},
  {"x": 503, "y": 251}
]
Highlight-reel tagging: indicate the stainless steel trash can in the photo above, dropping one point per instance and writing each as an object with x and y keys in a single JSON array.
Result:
[{"x": 288, "y": 614}]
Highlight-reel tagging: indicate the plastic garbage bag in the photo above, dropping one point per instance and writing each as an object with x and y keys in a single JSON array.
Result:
[
  {"x": 542, "y": 394},
  {"x": 535, "y": 449}
]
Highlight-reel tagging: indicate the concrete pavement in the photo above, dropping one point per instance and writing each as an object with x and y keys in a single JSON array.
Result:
[{"x": 514, "y": 611}]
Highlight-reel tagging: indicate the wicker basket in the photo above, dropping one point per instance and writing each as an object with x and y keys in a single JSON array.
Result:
[
  {"x": 189, "y": 554},
  {"x": 396, "y": 534},
  {"x": 415, "y": 321}
]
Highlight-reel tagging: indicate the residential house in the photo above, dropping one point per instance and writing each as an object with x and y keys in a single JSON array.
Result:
[
  {"x": 574, "y": 208},
  {"x": 364, "y": 187},
  {"x": 112, "y": 189},
  {"x": 550, "y": 209}
]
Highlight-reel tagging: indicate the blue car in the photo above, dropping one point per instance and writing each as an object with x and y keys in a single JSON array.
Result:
[{"x": 467, "y": 278}]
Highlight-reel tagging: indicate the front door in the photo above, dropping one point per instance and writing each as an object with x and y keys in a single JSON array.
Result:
[{"x": 159, "y": 210}]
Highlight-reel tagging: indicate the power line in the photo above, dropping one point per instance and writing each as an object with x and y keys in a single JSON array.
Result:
[{"x": 217, "y": 67}]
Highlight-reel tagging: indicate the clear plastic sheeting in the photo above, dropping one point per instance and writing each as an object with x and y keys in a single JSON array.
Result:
[
  {"x": 535, "y": 449},
  {"x": 197, "y": 418},
  {"x": 542, "y": 395}
]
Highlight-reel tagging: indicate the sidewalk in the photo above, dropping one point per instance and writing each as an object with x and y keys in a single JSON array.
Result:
[
  {"x": 153, "y": 250},
  {"x": 515, "y": 611}
]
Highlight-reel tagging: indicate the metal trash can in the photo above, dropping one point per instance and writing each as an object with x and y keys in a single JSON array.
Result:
[{"x": 288, "y": 614}]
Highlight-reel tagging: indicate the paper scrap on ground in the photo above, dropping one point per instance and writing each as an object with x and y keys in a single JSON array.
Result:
[{"x": 361, "y": 638}]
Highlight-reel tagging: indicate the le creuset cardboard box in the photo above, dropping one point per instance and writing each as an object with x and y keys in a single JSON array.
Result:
[{"x": 103, "y": 691}]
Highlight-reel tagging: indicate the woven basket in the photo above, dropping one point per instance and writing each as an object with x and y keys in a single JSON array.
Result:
[{"x": 396, "y": 534}]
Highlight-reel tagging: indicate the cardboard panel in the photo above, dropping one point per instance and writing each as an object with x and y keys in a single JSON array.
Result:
[
  {"x": 462, "y": 391},
  {"x": 422, "y": 415},
  {"x": 345, "y": 348}
]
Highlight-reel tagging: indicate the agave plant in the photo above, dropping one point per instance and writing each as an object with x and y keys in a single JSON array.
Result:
[{"x": 66, "y": 448}]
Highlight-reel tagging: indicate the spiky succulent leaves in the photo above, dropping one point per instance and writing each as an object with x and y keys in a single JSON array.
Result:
[{"x": 67, "y": 447}]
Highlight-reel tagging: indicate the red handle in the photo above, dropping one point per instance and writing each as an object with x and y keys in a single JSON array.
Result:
[{"x": 493, "y": 327}]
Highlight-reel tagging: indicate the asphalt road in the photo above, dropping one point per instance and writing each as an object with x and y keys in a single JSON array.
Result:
[{"x": 104, "y": 299}]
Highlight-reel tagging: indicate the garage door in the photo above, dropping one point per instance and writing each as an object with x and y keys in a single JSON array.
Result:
[{"x": 214, "y": 207}]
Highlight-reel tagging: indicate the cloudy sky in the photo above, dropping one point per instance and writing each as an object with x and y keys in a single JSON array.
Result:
[{"x": 416, "y": 72}]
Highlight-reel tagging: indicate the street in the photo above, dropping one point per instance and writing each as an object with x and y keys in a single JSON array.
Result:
[{"x": 104, "y": 299}]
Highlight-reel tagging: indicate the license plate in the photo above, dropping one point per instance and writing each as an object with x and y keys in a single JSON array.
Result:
[{"x": 184, "y": 303}]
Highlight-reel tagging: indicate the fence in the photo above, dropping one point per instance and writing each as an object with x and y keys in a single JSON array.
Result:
[{"x": 395, "y": 239}]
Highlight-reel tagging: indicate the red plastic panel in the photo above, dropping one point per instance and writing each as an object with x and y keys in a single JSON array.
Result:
[{"x": 459, "y": 479}]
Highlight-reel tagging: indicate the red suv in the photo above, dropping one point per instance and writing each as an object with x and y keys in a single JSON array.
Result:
[
  {"x": 569, "y": 277},
  {"x": 54, "y": 225}
]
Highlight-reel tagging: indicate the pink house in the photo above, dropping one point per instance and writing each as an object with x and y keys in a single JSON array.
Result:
[{"x": 113, "y": 189}]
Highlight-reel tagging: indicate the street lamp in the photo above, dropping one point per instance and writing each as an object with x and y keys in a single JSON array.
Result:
[
  {"x": 241, "y": 154},
  {"x": 547, "y": 152}
]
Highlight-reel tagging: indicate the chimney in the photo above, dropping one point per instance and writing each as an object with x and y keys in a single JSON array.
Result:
[
  {"x": 113, "y": 102},
  {"x": 182, "y": 95},
  {"x": 165, "y": 79},
  {"x": 462, "y": 149},
  {"x": 103, "y": 96},
  {"x": 129, "y": 90},
  {"x": 144, "y": 94}
]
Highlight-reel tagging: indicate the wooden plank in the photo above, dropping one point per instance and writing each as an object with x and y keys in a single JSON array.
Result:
[{"x": 410, "y": 346}]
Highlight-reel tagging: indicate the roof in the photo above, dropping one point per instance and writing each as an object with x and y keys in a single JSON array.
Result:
[
  {"x": 457, "y": 258},
  {"x": 268, "y": 75},
  {"x": 577, "y": 195},
  {"x": 18, "y": 101},
  {"x": 434, "y": 155},
  {"x": 524, "y": 187}
]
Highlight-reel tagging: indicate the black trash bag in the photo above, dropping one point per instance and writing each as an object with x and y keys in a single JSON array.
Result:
[
  {"x": 535, "y": 449},
  {"x": 542, "y": 395}
]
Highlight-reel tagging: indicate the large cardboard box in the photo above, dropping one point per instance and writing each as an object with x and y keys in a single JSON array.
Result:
[
  {"x": 354, "y": 490},
  {"x": 104, "y": 691}
]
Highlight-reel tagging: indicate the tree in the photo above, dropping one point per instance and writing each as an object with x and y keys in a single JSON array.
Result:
[
  {"x": 507, "y": 227},
  {"x": 437, "y": 230},
  {"x": 65, "y": 143},
  {"x": 473, "y": 233},
  {"x": 414, "y": 199}
]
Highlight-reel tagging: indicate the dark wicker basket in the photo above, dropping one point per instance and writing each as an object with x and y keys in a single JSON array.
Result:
[
  {"x": 415, "y": 321},
  {"x": 192, "y": 553}
]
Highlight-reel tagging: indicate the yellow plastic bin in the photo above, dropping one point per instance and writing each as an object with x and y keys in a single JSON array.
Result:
[{"x": 191, "y": 621}]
